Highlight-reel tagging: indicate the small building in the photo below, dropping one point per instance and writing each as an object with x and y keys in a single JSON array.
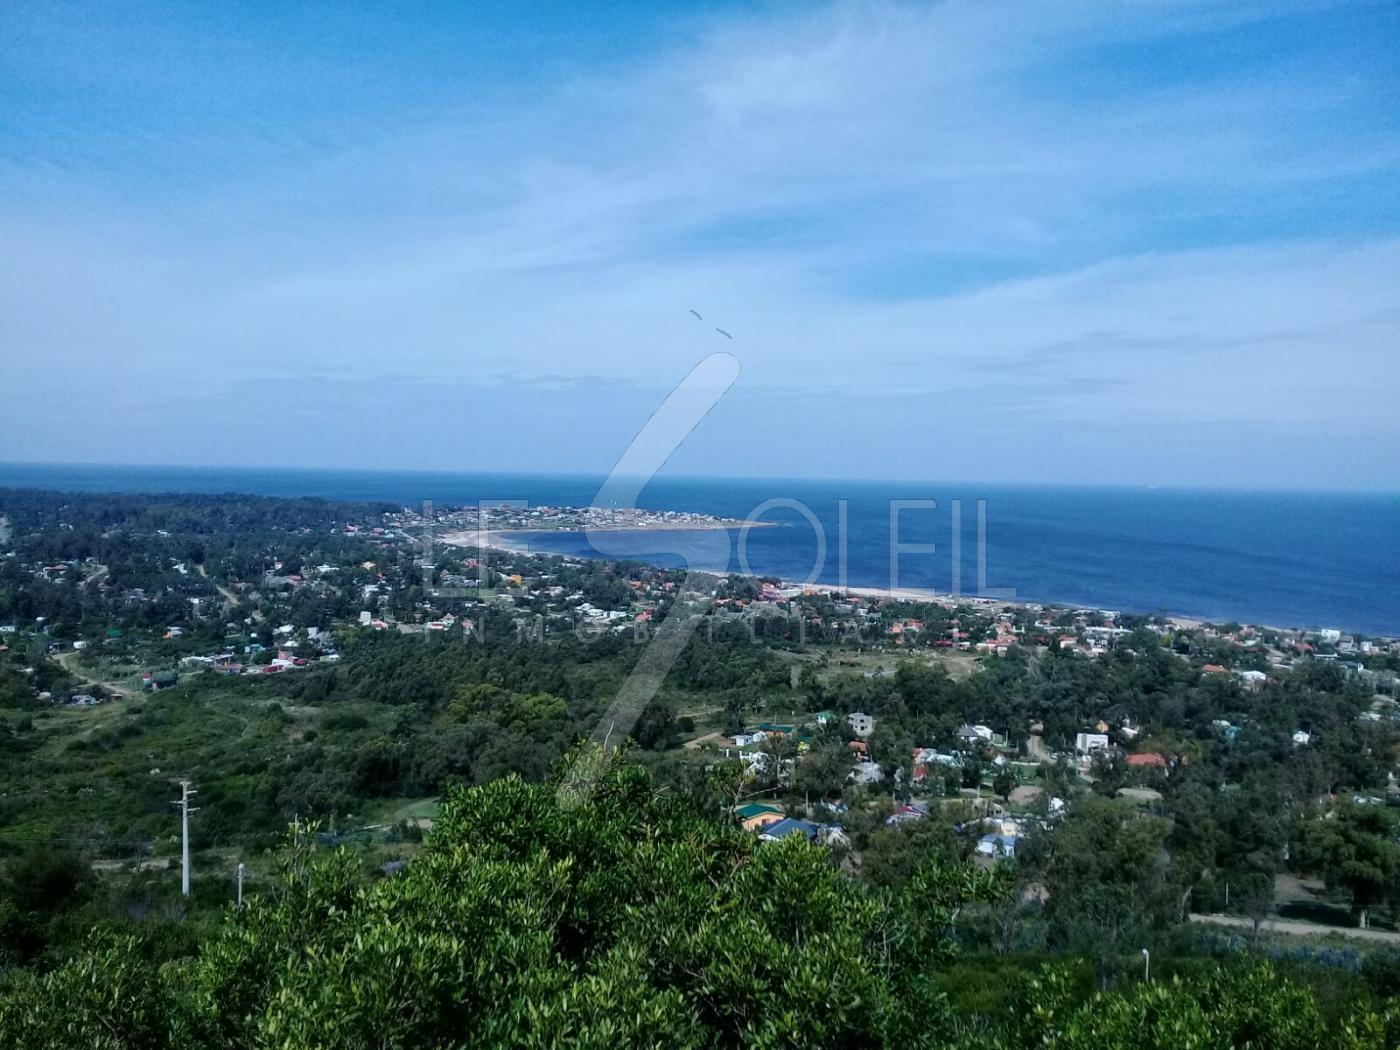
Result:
[
  {"x": 861, "y": 724},
  {"x": 789, "y": 826},
  {"x": 754, "y": 816},
  {"x": 1086, "y": 744},
  {"x": 867, "y": 772},
  {"x": 996, "y": 846}
]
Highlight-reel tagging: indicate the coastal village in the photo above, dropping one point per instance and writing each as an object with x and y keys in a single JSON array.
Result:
[
  {"x": 349, "y": 678},
  {"x": 289, "y": 616}
]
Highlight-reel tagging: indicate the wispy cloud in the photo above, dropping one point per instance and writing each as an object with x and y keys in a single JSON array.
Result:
[{"x": 1106, "y": 217}]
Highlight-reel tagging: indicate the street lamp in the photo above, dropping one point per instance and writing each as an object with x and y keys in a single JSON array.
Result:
[{"x": 1146, "y": 965}]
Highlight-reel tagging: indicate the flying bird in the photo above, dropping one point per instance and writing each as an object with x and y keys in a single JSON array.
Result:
[
  {"x": 697, "y": 315},
  {"x": 722, "y": 332}
]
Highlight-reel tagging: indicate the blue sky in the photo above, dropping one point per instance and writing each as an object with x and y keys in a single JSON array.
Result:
[{"x": 1141, "y": 242}]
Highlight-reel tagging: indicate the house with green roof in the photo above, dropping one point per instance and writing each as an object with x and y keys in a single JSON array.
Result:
[{"x": 754, "y": 816}]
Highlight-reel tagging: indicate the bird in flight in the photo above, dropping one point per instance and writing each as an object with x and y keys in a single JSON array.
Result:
[
  {"x": 697, "y": 315},
  {"x": 722, "y": 332}
]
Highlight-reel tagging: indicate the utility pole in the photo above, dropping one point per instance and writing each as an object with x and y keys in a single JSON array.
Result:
[
  {"x": 184, "y": 803},
  {"x": 1146, "y": 965},
  {"x": 240, "y": 884}
]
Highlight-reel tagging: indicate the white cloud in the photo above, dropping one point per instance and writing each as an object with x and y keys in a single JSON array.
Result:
[{"x": 881, "y": 202}]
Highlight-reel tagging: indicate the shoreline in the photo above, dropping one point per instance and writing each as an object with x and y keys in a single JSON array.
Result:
[{"x": 496, "y": 540}]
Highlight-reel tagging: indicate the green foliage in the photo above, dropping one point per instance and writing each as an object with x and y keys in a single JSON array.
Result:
[
  {"x": 594, "y": 912},
  {"x": 1355, "y": 848},
  {"x": 597, "y": 914},
  {"x": 1107, "y": 877},
  {"x": 112, "y": 997},
  {"x": 1224, "y": 1008}
]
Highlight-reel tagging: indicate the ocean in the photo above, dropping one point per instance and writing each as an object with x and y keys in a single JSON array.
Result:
[{"x": 1308, "y": 559}]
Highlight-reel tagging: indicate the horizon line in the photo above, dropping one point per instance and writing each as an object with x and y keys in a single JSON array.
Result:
[{"x": 688, "y": 476}]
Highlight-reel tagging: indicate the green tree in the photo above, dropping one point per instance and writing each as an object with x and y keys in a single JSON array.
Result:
[
  {"x": 822, "y": 771},
  {"x": 1004, "y": 784},
  {"x": 1354, "y": 848},
  {"x": 1106, "y": 875},
  {"x": 586, "y": 912}
]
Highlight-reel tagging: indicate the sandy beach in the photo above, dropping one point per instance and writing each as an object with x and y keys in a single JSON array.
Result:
[
  {"x": 515, "y": 541},
  {"x": 493, "y": 540}
]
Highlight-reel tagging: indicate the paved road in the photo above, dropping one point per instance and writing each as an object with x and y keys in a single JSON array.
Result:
[{"x": 1298, "y": 929}]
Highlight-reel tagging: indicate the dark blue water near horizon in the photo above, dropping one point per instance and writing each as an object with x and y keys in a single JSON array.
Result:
[{"x": 1287, "y": 558}]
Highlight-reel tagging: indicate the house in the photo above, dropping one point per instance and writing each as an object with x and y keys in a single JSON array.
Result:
[
  {"x": 923, "y": 757},
  {"x": 867, "y": 772},
  {"x": 974, "y": 734},
  {"x": 996, "y": 846},
  {"x": 1086, "y": 744},
  {"x": 1301, "y": 738},
  {"x": 754, "y": 816},
  {"x": 789, "y": 826},
  {"x": 861, "y": 724}
]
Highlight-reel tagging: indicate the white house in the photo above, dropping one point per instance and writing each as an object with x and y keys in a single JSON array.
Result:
[
  {"x": 1086, "y": 744},
  {"x": 861, "y": 724},
  {"x": 867, "y": 772}
]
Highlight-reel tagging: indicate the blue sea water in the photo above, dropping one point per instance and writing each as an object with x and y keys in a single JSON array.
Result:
[{"x": 1287, "y": 558}]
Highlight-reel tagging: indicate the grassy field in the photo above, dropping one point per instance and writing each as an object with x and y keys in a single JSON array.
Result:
[{"x": 836, "y": 661}]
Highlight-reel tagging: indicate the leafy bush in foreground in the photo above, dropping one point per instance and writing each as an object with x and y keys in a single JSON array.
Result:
[{"x": 601, "y": 915}]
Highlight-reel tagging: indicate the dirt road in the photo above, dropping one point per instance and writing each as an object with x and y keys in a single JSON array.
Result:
[
  {"x": 1297, "y": 929},
  {"x": 65, "y": 660},
  {"x": 228, "y": 595}
]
